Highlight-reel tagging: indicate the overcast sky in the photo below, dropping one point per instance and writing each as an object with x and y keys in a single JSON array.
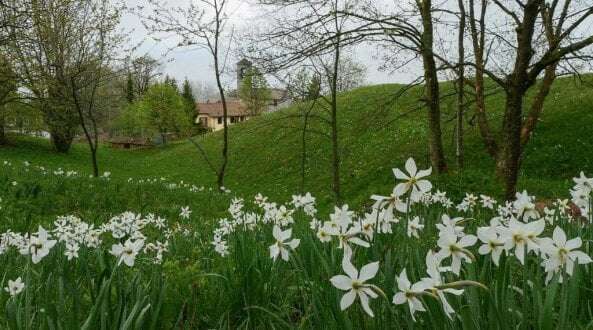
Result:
[{"x": 196, "y": 65}]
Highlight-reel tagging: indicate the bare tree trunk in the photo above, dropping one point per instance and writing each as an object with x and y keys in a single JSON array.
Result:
[
  {"x": 225, "y": 141},
  {"x": 537, "y": 106},
  {"x": 3, "y": 140},
  {"x": 61, "y": 139},
  {"x": 304, "y": 150},
  {"x": 478, "y": 40},
  {"x": 334, "y": 125},
  {"x": 509, "y": 155},
  {"x": 92, "y": 141},
  {"x": 517, "y": 84},
  {"x": 459, "y": 146},
  {"x": 432, "y": 92}
]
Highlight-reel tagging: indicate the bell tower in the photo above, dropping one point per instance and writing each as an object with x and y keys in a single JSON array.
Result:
[{"x": 242, "y": 67}]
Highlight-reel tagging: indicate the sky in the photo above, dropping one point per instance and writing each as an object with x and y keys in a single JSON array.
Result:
[{"x": 196, "y": 65}]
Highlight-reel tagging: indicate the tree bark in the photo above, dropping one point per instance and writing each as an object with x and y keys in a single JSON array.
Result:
[
  {"x": 304, "y": 150},
  {"x": 517, "y": 84},
  {"x": 3, "y": 139},
  {"x": 334, "y": 126},
  {"x": 478, "y": 40},
  {"x": 537, "y": 106},
  {"x": 459, "y": 145},
  {"x": 509, "y": 155},
  {"x": 225, "y": 145},
  {"x": 62, "y": 140},
  {"x": 432, "y": 92}
]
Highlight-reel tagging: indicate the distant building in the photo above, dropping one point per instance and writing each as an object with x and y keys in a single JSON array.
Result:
[
  {"x": 279, "y": 100},
  {"x": 210, "y": 114}
]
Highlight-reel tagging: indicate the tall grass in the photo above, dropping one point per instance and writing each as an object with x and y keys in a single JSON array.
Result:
[{"x": 195, "y": 287}]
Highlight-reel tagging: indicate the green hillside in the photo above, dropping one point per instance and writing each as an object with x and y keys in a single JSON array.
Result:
[{"x": 377, "y": 132}]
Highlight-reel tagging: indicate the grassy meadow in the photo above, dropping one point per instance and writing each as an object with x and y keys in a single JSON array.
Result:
[
  {"x": 377, "y": 132},
  {"x": 152, "y": 245}
]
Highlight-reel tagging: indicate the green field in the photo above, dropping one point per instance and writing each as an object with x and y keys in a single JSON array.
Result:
[{"x": 377, "y": 132}]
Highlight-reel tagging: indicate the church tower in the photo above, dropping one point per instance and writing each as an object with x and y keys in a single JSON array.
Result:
[{"x": 242, "y": 67}]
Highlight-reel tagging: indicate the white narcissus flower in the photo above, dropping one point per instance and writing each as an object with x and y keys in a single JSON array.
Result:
[
  {"x": 409, "y": 293},
  {"x": 354, "y": 283},
  {"x": 280, "y": 248},
  {"x": 561, "y": 253},
  {"x": 342, "y": 216},
  {"x": 367, "y": 227},
  {"x": 524, "y": 207},
  {"x": 583, "y": 183},
  {"x": 15, "y": 287},
  {"x": 448, "y": 223},
  {"x": 71, "y": 251},
  {"x": 346, "y": 235},
  {"x": 324, "y": 233},
  {"x": 493, "y": 245},
  {"x": 127, "y": 252},
  {"x": 520, "y": 236},
  {"x": 39, "y": 245},
  {"x": 414, "y": 227},
  {"x": 185, "y": 212},
  {"x": 487, "y": 202},
  {"x": 434, "y": 282},
  {"x": 450, "y": 247},
  {"x": 390, "y": 202},
  {"x": 412, "y": 181}
]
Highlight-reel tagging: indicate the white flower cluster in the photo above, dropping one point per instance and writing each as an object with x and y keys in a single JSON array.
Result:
[
  {"x": 515, "y": 229},
  {"x": 127, "y": 232},
  {"x": 280, "y": 216},
  {"x": 582, "y": 195},
  {"x": 106, "y": 176}
]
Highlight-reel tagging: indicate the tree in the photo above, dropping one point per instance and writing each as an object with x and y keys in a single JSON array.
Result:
[
  {"x": 459, "y": 134},
  {"x": 160, "y": 111},
  {"x": 171, "y": 82},
  {"x": 201, "y": 27},
  {"x": 40, "y": 43},
  {"x": 130, "y": 96},
  {"x": 12, "y": 14},
  {"x": 145, "y": 70},
  {"x": 8, "y": 88},
  {"x": 189, "y": 102},
  {"x": 305, "y": 89},
  {"x": 431, "y": 88},
  {"x": 254, "y": 92},
  {"x": 91, "y": 51},
  {"x": 312, "y": 33},
  {"x": 565, "y": 36},
  {"x": 406, "y": 30}
]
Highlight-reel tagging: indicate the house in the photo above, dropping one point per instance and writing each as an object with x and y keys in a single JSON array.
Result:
[
  {"x": 210, "y": 114},
  {"x": 279, "y": 99}
]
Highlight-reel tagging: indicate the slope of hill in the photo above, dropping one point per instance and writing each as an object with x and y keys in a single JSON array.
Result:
[{"x": 377, "y": 132}]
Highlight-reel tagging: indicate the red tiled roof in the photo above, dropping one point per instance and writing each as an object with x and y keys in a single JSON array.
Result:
[{"x": 214, "y": 109}]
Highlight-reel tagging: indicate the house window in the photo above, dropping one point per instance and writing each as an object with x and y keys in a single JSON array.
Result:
[{"x": 220, "y": 120}]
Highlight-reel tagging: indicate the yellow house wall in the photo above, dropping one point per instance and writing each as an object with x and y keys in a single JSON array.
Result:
[{"x": 212, "y": 122}]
